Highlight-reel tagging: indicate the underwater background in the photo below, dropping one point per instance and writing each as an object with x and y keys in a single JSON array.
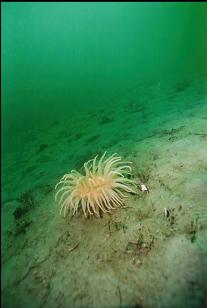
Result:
[{"x": 79, "y": 79}]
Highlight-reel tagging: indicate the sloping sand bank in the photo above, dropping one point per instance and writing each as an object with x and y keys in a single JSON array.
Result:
[{"x": 150, "y": 253}]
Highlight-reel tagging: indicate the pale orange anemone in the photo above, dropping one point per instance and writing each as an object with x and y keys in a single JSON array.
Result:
[{"x": 99, "y": 190}]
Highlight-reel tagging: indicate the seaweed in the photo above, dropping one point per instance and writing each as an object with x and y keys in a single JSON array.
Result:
[
  {"x": 29, "y": 170},
  {"x": 170, "y": 215},
  {"x": 46, "y": 189},
  {"x": 42, "y": 147},
  {"x": 22, "y": 221},
  {"x": 92, "y": 114},
  {"x": 143, "y": 213},
  {"x": 105, "y": 120},
  {"x": 202, "y": 135},
  {"x": 114, "y": 226},
  {"x": 19, "y": 212},
  {"x": 144, "y": 175},
  {"x": 78, "y": 136},
  {"x": 21, "y": 225},
  {"x": 191, "y": 229},
  {"x": 133, "y": 107},
  {"x": 182, "y": 86},
  {"x": 26, "y": 199},
  {"x": 143, "y": 243},
  {"x": 92, "y": 139},
  {"x": 171, "y": 132},
  {"x": 172, "y": 138},
  {"x": 54, "y": 124}
]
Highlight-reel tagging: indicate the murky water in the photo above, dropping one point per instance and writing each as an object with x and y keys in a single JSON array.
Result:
[{"x": 79, "y": 79}]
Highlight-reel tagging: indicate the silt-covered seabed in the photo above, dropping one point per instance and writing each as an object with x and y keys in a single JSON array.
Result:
[{"x": 150, "y": 253}]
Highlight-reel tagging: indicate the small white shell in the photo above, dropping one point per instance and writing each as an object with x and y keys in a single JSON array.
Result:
[{"x": 144, "y": 188}]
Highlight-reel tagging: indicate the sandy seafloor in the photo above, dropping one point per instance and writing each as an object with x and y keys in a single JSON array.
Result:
[{"x": 150, "y": 253}]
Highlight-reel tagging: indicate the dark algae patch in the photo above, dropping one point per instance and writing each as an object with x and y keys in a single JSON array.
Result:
[
  {"x": 42, "y": 147},
  {"x": 22, "y": 219}
]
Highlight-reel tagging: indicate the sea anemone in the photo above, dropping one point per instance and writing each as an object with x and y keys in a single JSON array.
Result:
[{"x": 99, "y": 190}]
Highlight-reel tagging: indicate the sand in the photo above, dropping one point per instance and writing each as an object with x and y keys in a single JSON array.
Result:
[{"x": 150, "y": 253}]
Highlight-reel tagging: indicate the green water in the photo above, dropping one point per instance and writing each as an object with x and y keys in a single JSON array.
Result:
[
  {"x": 75, "y": 55},
  {"x": 79, "y": 79}
]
